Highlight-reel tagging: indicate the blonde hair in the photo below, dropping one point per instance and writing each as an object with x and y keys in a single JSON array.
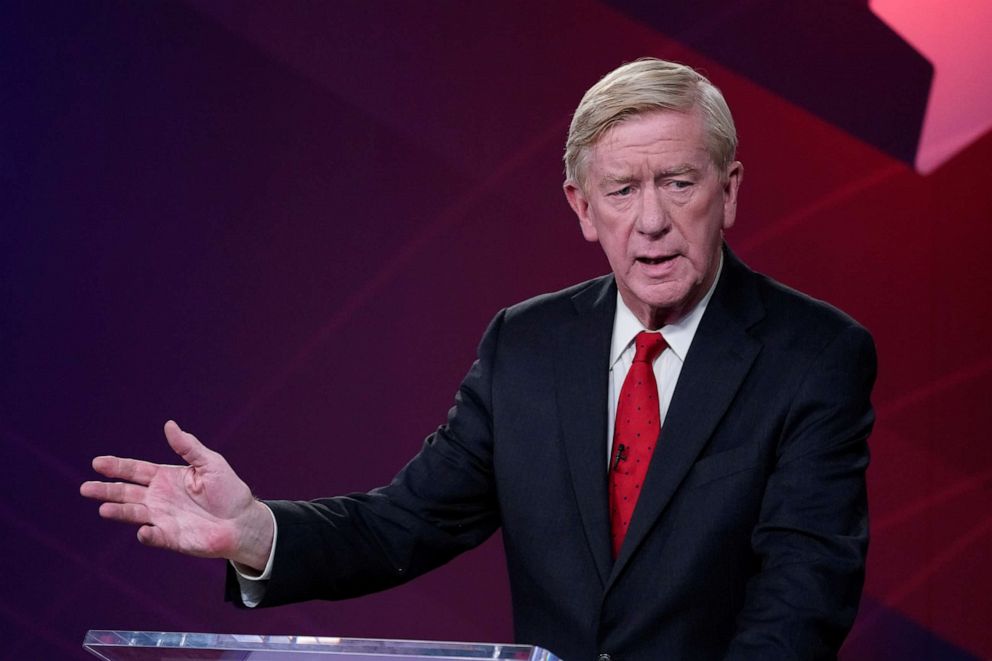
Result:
[{"x": 646, "y": 85}]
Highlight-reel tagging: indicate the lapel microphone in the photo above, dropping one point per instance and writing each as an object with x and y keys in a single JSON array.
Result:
[{"x": 621, "y": 456}]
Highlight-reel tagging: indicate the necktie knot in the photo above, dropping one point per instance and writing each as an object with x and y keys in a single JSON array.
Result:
[{"x": 648, "y": 346}]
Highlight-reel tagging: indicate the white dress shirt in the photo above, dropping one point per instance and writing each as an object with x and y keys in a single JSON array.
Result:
[{"x": 253, "y": 585}]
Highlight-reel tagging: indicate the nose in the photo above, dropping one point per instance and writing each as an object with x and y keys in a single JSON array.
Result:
[{"x": 653, "y": 219}]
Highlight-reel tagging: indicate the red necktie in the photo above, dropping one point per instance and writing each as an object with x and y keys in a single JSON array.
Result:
[{"x": 634, "y": 434}]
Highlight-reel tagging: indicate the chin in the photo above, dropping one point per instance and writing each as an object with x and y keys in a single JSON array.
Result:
[{"x": 661, "y": 298}]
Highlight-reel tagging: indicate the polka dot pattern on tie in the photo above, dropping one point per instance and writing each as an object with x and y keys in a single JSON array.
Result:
[{"x": 634, "y": 434}]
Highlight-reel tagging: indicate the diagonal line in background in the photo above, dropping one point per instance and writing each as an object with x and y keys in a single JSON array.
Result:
[
  {"x": 91, "y": 567},
  {"x": 931, "y": 500},
  {"x": 46, "y": 457},
  {"x": 931, "y": 388},
  {"x": 454, "y": 213},
  {"x": 57, "y": 604},
  {"x": 924, "y": 574},
  {"x": 44, "y": 538},
  {"x": 95, "y": 568},
  {"x": 849, "y": 190},
  {"x": 83, "y": 564},
  {"x": 916, "y": 397},
  {"x": 34, "y": 631},
  {"x": 308, "y": 69}
]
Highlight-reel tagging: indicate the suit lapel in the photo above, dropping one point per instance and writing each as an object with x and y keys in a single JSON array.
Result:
[
  {"x": 581, "y": 373},
  {"x": 719, "y": 358}
]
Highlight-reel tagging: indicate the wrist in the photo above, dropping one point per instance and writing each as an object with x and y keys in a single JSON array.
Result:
[{"x": 255, "y": 537}]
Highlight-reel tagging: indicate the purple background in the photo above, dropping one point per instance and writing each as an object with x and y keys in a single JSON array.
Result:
[{"x": 273, "y": 221}]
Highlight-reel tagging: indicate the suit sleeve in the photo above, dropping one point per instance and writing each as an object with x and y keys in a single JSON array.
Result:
[
  {"x": 812, "y": 536},
  {"x": 440, "y": 504}
]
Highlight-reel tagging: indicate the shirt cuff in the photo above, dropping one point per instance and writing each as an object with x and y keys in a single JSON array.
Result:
[{"x": 252, "y": 583}]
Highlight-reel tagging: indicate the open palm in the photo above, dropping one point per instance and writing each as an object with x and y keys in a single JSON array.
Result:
[{"x": 202, "y": 508}]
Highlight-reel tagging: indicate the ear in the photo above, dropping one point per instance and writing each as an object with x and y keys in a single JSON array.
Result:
[
  {"x": 731, "y": 184},
  {"x": 580, "y": 205}
]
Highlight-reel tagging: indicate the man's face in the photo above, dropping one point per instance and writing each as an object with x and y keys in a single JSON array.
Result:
[{"x": 657, "y": 204}]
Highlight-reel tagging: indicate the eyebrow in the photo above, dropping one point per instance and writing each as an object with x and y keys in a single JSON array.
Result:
[
  {"x": 624, "y": 179},
  {"x": 616, "y": 179},
  {"x": 678, "y": 170}
]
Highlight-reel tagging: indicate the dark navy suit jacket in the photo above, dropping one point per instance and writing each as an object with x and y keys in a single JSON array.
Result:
[{"x": 749, "y": 537}]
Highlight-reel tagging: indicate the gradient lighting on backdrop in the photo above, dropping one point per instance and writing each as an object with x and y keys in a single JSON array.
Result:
[
  {"x": 955, "y": 39},
  {"x": 232, "y": 213}
]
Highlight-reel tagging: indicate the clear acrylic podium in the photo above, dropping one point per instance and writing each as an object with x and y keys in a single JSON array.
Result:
[{"x": 159, "y": 646}]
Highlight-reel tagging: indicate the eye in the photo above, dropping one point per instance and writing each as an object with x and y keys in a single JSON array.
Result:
[
  {"x": 681, "y": 184},
  {"x": 622, "y": 192}
]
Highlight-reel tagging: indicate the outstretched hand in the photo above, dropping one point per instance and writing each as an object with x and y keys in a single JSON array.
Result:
[{"x": 202, "y": 508}]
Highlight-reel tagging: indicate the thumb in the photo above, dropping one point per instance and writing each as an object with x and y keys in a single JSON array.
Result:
[{"x": 186, "y": 445}]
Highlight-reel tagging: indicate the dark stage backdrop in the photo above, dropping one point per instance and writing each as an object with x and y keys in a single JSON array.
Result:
[{"x": 267, "y": 219}]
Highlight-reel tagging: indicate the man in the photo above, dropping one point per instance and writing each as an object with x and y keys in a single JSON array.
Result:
[{"x": 738, "y": 531}]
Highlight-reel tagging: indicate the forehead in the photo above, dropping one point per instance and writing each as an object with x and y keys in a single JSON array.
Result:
[{"x": 660, "y": 137}]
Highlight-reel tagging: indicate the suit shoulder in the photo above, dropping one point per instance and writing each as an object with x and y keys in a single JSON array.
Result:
[
  {"x": 532, "y": 325},
  {"x": 793, "y": 316},
  {"x": 546, "y": 308},
  {"x": 792, "y": 301}
]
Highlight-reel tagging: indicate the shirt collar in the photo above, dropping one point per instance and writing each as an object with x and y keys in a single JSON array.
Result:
[{"x": 678, "y": 335}]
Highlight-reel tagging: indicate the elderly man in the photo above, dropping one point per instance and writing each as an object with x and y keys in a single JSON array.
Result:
[{"x": 675, "y": 451}]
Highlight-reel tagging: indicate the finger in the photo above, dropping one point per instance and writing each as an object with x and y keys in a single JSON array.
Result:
[
  {"x": 151, "y": 536},
  {"x": 125, "y": 512},
  {"x": 132, "y": 470},
  {"x": 113, "y": 492},
  {"x": 186, "y": 445}
]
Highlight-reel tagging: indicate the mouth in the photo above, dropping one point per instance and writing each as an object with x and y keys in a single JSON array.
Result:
[{"x": 655, "y": 260}]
